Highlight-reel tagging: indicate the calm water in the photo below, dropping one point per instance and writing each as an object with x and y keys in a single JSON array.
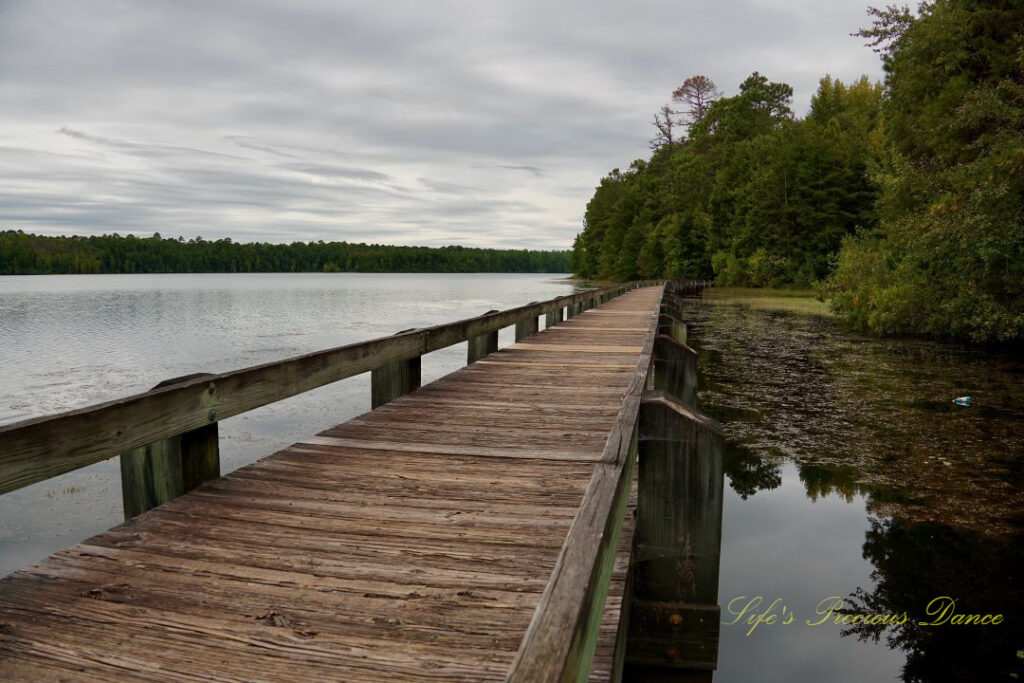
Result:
[
  {"x": 850, "y": 473},
  {"x": 70, "y": 341}
]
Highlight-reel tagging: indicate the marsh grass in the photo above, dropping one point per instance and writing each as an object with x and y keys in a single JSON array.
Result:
[{"x": 794, "y": 300}]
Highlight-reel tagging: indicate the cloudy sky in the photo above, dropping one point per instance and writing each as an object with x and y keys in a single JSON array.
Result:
[{"x": 431, "y": 122}]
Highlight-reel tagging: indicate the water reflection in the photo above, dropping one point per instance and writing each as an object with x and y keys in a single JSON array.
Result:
[
  {"x": 935, "y": 574},
  {"x": 854, "y": 475},
  {"x": 825, "y": 480},
  {"x": 749, "y": 473}
]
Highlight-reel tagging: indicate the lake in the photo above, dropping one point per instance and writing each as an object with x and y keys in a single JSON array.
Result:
[
  {"x": 849, "y": 471},
  {"x": 851, "y": 474},
  {"x": 68, "y": 341}
]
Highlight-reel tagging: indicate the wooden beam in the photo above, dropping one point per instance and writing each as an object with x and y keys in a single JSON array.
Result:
[
  {"x": 395, "y": 379},
  {"x": 671, "y": 326},
  {"x": 163, "y": 470},
  {"x": 390, "y": 381},
  {"x": 675, "y": 369},
  {"x": 482, "y": 345},
  {"x": 527, "y": 327},
  {"x": 677, "y": 637},
  {"x": 674, "y": 613}
]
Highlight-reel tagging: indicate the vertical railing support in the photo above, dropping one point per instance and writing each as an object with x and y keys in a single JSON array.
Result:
[
  {"x": 555, "y": 317},
  {"x": 527, "y": 327},
  {"x": 482, "y": 345},
  {"x": 675, "y": 369},
  {"x": 670, "y": 326},
  {"x": 674, "y": 613},
  {"x": 392, "y": 380},
  {"x": 163, "y": 470}
]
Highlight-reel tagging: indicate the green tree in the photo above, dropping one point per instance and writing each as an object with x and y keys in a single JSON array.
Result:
[{"x": 948, "y": 260}]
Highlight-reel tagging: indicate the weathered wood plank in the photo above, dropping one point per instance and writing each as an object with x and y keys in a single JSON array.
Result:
[
  {"x": 675, "y": 369},
  {"x": 674, "y": 618},
  {"x": 160, "y": 471},
  {"x": 449, "y": 449},
  {"x": 481, "y": 346},
  {"x": 390, "y": 381},
  {"x": 527, "y": 327}
]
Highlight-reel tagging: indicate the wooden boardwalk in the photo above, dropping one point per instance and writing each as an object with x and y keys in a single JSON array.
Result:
[{"x": 411, "y": 543}]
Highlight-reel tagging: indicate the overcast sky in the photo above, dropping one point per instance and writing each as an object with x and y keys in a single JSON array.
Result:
[{"x": 431, "y": 122}]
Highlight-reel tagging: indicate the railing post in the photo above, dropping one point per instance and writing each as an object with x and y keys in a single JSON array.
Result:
[
  {"x": 163, "y": 470},
  {"x": 482, "y": 345},
  {"x": 392, "y": 380},
  {"x": 675, "y": 369},
  {"x": 670, "y": 326},
  {"x": 555, "y": 317},
  {"x": 674, "y": 613},
  {"x": 528, "y": 326}
]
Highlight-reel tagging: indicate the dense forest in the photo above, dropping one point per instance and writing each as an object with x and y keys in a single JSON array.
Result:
[
  {"x": 27, "y": 254},
  {"x": 902, "y": 202}
]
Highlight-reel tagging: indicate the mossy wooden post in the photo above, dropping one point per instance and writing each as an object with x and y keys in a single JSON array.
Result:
[
  {"x": 555, "y": 317},
  {"x": 675, "y": 369},
  {"x": 527, "y": 327},
  {"x": 571, "y": 309},
  {"x": 480, "y": 346},
  {"x": 163, "y": 470},
  {"x": 670, "y": 326},
  {"x": 392, "y": 380},
  {"x": 674, "y": 613}
]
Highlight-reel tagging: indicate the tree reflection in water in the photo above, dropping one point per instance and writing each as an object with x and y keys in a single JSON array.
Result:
[
  {"x": 748, "y": 472},
  {"x": 917, "y": 563}
]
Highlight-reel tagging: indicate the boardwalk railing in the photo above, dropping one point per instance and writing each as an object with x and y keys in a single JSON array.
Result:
[
  {"x": 656, "y": 421},
  {"x": 168, "y": 436}
]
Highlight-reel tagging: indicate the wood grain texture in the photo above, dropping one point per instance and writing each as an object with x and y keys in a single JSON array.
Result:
[
  {"x": 160, "y": 471},
  {"x": 390, "y": 381},
  {"x": 563, "y": 634},
  {"x": 527, "y": 327},
  {"x": 674, "y": 614},
  {"x": 414, "y": 542}
]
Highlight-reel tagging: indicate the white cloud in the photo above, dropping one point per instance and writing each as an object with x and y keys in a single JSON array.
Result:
[{"x": 480, "y": 123}]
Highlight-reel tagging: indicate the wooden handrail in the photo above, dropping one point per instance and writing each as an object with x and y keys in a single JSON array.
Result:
[
  {"x": 559, "y": 644},
  {"x": 40, "y": 448}
]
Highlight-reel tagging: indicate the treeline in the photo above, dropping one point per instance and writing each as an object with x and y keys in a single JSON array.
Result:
[
  {"x": 28, "y": 254},
  {"x": 748, "y": 194},
  {"x": 905, "y": 204},
  {"x": 948, "y": 257}
]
